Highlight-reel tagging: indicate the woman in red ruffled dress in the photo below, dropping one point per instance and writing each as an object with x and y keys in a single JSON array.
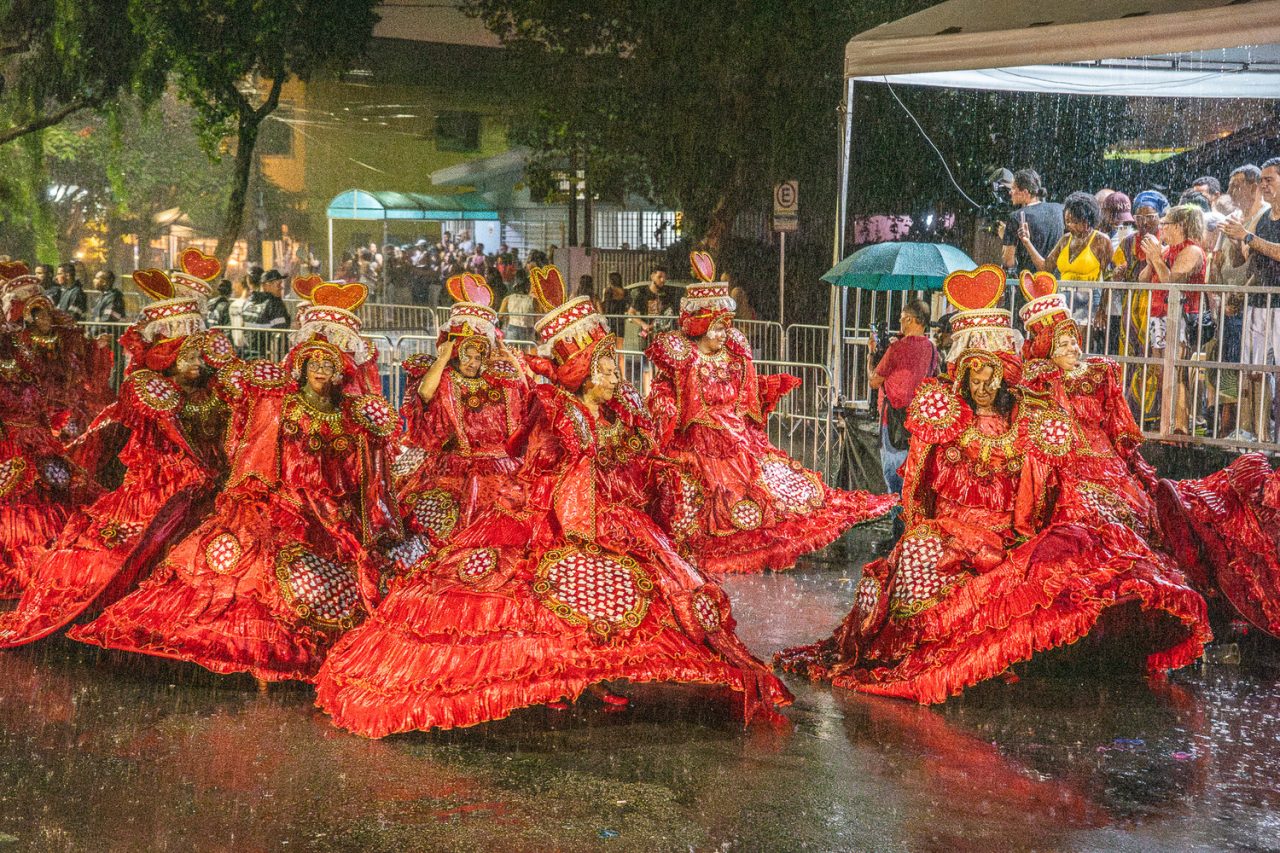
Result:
[
  {"x": 745, "y": 505},
  {"x": 287, "y": 559},
  {"x": 960, "y": 600},
  {"x": 39, "y": 487},
  {"x": 566, "y": 583},
  {"x": 172, "y": 422},
  {"x": 469, "y": 401},
  {"x": 72, "y": 372}
]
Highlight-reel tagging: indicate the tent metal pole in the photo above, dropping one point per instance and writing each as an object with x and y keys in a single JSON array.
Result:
[
  {"x": 839, "y": 295},
  {"x": 330, "y": 248}
]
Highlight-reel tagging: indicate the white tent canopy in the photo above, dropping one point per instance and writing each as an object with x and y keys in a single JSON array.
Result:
[
  {"x": 1143, "y": 48},
  {"x": 1148, "y": 48}
]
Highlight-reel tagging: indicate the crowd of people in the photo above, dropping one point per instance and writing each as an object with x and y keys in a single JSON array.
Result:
[{"x": 1206, "y": 236}]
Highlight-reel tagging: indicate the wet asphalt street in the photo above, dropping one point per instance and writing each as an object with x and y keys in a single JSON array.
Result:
[{"x": 102, "y": 752}]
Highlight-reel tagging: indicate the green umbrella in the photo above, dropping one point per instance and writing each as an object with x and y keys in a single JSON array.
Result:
[{"x": 899, "y": 266}]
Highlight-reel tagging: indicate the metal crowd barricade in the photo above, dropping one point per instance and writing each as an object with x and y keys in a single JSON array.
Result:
[
  {"x": 806, "y": 344},
  {"x": 801, "y": 426},
  {"x": 1215, "y": 380},
  {"x": 1198, "y": 362}
]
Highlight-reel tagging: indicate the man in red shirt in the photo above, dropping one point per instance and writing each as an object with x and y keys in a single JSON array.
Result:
[{"x": 907, "y": 362}]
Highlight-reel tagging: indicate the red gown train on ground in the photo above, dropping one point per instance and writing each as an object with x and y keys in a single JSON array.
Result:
[
  {"x": 174, "y": 460},
  {"x": 39, "y": 486},
  {"x": 545, "y": 595},
  {"x": 1226, "y": 529},
  {"x": 747, "y": 506},
  {"x": 950, "y": 607},
  {"x": 275, "y": 573}
]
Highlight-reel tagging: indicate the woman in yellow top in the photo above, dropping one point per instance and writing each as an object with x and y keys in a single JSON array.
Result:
[{"x": 1083, "y": 254}]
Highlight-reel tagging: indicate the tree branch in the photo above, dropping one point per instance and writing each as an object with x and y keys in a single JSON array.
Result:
[
  {"x": 273, "y": 97},
  {"x": 74, "y": 106}
]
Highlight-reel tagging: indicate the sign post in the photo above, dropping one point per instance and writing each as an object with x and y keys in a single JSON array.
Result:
[{"x": 786, "y": 218}]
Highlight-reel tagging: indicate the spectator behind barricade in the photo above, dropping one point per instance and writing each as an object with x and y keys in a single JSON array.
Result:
[
  {"x": 745, "y": 311},
  {"x": 241, "y": 290},
  {"x": 367, "y": 269},
  {"x": 396, "y": 265},
  {"x": 1209, "y": 187},
  {"x": 476, "y": 262},
  {"x": 1180, "y": 260},
  {"x": 72, "y": 301},
  {"x": 1118, "y": 225},
  {"x": 1043, "y": 220},
  {"x": 517, "y": 313},
  {"x": 908, "y": 361},
  {"x": 494, "y": 279},
  {"x": 108, "y": 307},
  {"x": 507, "y": 268},
  {"x": 220, "y": 305},
  {"x": 1117, "y": 217},
  {"x": 52, "y": 290},
  {"x": 587, "y": 287},
  {"x": 651, "y": 300},
  {"x": 614, "y": 305},
  {"x": 419, "y": 262},
  {"x": 1226, "y": 383},
  {"x": 942, "y": 333},
  {"x": 266, "y": 311},
  {"x": 1261, "y": 247},
  {"x": 1083, "y": 253}
]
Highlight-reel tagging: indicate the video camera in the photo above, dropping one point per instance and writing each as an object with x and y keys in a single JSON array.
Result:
[{"x": 1000, "y": 207}]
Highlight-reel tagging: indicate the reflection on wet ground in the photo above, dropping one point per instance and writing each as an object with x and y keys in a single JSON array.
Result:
[{"x": 103, "y": 752}]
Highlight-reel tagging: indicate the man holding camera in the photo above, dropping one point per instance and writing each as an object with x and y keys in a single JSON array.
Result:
[{"x": 908, "y": 361}]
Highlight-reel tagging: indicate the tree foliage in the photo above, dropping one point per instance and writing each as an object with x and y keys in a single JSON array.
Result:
[
  {"x": 231, "y": 59},
  {"x": 59, "y": 57},
  {"x": 706, "y": 105}
]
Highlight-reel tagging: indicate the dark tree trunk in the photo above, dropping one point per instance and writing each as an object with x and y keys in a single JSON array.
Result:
[{"x": 250, "y": 121}]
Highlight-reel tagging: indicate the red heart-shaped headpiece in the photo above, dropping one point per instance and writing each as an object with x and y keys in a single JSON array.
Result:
[
  {"x": 154, "y": 283},
  {"x": 335, "y": 294},
  {"x": 1035, "y": 285},
  {"x": 546, "y": 285},
  {"x": 197, "y": 263},
  {"x": 305, "y": 285},
  {"x": 469, "y": 287},
  {"x": 703, "y": 267},
  {"x": 973, "y": 290},
  {"x": 13, "y": 269}
]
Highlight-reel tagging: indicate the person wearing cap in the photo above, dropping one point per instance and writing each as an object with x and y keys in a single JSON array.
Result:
[
  {"x": 266, "y": 311},
  {"x": 171, "y": 418},
  {"x": 72, "y": 301},
  {"x": 469, "y": 401},
  {"x": 285, "y": 562},
  {"x": 746, "y": 505},
  {"x": 1130, "y": 261},
  {"x": 566, "y": 583}
]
